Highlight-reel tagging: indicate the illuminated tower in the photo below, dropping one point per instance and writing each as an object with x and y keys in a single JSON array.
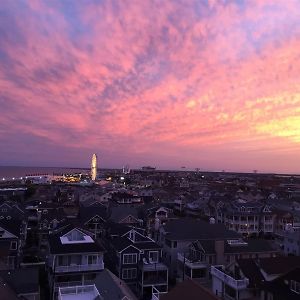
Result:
[{"x": 94, "y": 167}]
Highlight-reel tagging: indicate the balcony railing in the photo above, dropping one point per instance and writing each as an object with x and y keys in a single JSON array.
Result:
[
  {"x": 156, "y": 293},
  {"x": 236, "y": 284},
  {"x": 155, "y": 280},
  {"x": 78, "y": 292},
  {"x": 153, "y": 266},
  {"x": 193, "y": 264},
  {"x": 58, "y": 285},
  {"x": 79, "y": 268}
]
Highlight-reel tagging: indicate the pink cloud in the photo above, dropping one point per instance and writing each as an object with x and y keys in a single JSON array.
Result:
[{"x": 156, "y": 83}]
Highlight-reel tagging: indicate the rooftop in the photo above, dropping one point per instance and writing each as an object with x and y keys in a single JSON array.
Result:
[
  {"x": 191, "y": 229},
  {"x": 188, "y": 289}
]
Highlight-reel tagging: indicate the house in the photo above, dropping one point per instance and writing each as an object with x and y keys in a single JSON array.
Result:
[
  {"x": 90, "y": 198},
  {"x": 158, "y": 215},
  {"x": 202, "y": 254},
  {"x": 284, "y": 287},
  {"x": 93, "y": 218},
  {"x": 247, "y": 218},
  {"x": 126, "y": 215},
  {"x": 138, "y": 262},
  {"x": 48, "y": 220},
  {"x": 12, "y": 239},
  {"x": 74, "y": 259},
  {"x": 176, "y": 236},
  {"x": 257, "y": 278}
]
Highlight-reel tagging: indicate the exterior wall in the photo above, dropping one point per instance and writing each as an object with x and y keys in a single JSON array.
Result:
[
  {"x": 11, "y": 259},
  {"x": 217, "y": 286},
  {"x": 79, "y": 259},
  {"x": 291, "y": 243},
  {"x": 170, "y": 255},
  {"x": 122, "y": 266}
]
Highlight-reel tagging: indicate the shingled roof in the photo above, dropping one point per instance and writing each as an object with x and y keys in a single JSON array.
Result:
[
  {"x": 191, "y": 229},
  {"x": 189, "y": 289}
]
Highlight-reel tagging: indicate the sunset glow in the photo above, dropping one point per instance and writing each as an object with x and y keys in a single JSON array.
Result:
[{"x": 208, "y": 84}]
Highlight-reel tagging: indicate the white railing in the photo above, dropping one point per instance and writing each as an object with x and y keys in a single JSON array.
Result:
[
  {"x": 58, "y": 285},
  {"x": 79, "y": 268},
  {"x": 193, "y": 264},
  {"x": 236, "y": 284},
  {"x": 87, "y": 290},
  {"x": 156, "y": 293}
]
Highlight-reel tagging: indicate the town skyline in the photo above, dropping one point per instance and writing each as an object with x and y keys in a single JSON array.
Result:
[{"x": 201, "y": 84}]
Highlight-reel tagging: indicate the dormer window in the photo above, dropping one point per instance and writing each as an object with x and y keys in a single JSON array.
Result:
[
  {"x": 76, "y": 236},
  {"x": 4, "y": 209},
  {"x": 295, "y": 286}
]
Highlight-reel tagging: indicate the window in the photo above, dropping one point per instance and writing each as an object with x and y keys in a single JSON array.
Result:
[
  {"x": 129, "y": 258},
  {"x": 13, "y": 245},
  {"x": 128, "y": 273},
  {"x": 295, "y": 286},
  {"x": 63, "y": 260},
  {"x": 175, "y": 244},
  {"x": 153, "y": 256},
  {"x": 92, "y": 259}
]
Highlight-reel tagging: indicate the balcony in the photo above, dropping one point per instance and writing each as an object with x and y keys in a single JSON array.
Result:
[
  {"x": 237, "y": 284},
  {"x": 193, "y": 264},
  {"x": 155, "y": 278},
  {"x": 145, "y": 266},
  {"x": 83, "y": 292},
  {"x": 79, "y": 268}
]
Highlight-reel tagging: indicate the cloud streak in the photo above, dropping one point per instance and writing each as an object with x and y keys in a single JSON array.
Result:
[{"x": 168, "y": 83}]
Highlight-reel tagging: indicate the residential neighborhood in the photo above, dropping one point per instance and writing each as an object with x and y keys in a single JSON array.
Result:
[{"x": 147, "y": 235}]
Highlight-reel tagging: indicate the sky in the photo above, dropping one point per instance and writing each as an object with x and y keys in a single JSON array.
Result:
[{"x": 209, "y": 84}]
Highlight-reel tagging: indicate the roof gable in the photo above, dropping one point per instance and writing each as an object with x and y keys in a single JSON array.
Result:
[
  {"x": 5, "y": 234},
  {"x": 129, "y": 219},
  {"x": 95, "y": 219}
]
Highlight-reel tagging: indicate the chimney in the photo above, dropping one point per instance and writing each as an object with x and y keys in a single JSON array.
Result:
[{"x": 219, "y": 248}]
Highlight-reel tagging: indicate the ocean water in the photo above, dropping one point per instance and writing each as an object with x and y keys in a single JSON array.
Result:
[{"x": 10, "y": 172}]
